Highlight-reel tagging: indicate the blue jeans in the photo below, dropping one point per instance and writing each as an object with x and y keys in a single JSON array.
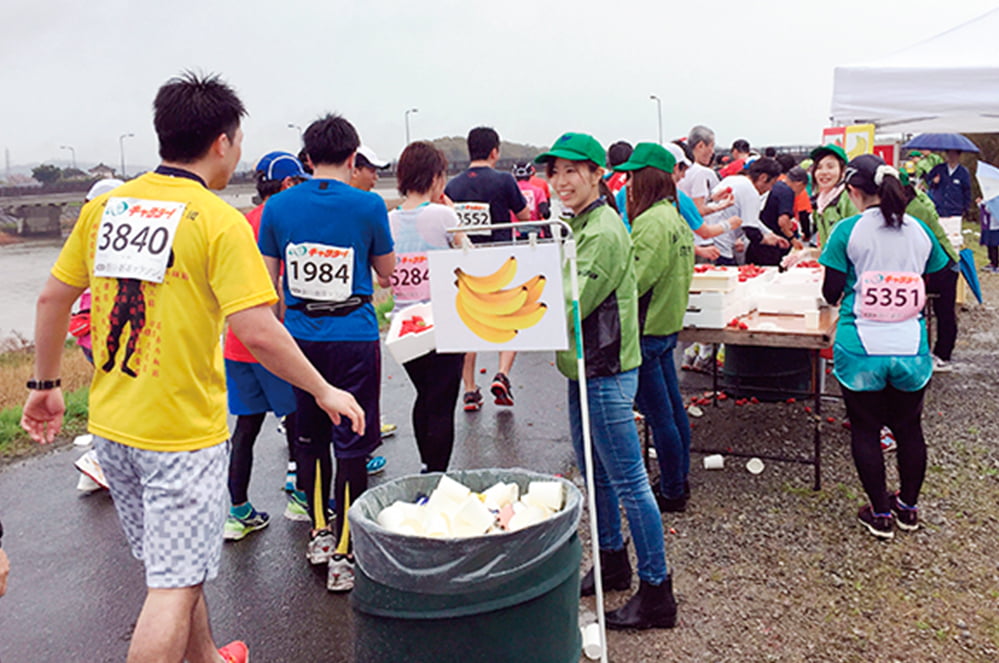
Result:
[
  {"x": 619, "y": 474},
  {"x": 660, "y": 401}
]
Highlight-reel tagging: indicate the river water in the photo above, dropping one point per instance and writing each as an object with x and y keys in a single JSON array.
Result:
[{"x": 25, "y": 266}]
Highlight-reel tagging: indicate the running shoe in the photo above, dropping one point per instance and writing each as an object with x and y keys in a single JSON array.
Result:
[
  {"x": 290, "y": 477},
  {"x": 322, "y": 546},
  {"x": 501, "y": 389},
  {"x": 388, "y": 430},
  {"x": 88, "y": 466},
  {"x": 297, "y": 508},
  {"x": 941, "y": 365},
  {"x": 473, "y": 400},
  {"x": 235, "y": 652},
  {"x": 238, "y": 528},
  {"x": 887, "y": 439},
  {"x": 376, "y": 464},
  {"x": 878, "y": 524},
  {"x": 906, "y": 517},
  {"x": 340, "y": 575}
]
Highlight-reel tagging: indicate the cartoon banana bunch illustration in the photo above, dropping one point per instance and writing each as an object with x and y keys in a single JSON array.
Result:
[{"x": 494, "y": 314}]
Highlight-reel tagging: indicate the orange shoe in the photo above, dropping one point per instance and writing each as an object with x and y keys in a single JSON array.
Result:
[{"x": 235, "y": 652}]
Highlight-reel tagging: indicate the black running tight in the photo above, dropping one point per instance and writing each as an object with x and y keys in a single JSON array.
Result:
[
  {"x": 241, "y": 456},
  {"x": 902, "y": 412}
]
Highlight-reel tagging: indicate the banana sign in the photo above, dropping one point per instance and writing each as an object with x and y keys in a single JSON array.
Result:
[{"x": 498, "y": 298}]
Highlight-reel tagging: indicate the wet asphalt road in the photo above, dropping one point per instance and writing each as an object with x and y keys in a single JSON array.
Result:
[{"x": 75, "y": 590}]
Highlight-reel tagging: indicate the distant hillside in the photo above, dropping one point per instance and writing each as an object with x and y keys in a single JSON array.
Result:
[{"x": 457, "y": 151}]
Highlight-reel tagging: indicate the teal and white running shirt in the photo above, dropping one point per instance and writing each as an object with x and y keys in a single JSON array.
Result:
[{"x": 881, "y": 334}]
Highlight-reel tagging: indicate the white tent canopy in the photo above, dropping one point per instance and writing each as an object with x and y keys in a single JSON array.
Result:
[{"x": 948, "y": 83}]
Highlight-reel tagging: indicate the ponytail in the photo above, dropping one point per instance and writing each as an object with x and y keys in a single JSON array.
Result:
[{"x": 893, "y": 200}]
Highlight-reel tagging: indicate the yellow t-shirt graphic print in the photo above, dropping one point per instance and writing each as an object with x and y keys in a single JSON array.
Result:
[{"x": 159, "y": 382}]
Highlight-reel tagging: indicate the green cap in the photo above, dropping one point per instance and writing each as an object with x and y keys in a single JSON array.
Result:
[
  {"x": 834, "y": 150},
  {"x": 649, "y": 155},
  {"x": 574, "y": 147},
  {"x": 915, "y": 153}
]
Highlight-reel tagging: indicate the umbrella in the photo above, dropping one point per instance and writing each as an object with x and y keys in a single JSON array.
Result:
[
  {"x": 988, "y": 180},
  {"x": 969, "y": 273},
  {"x": 941, "y": 142}
]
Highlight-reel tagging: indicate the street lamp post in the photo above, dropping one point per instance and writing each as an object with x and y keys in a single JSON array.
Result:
[
  {"x": 659, "y": 105},
  {"x": 72, "y": 151},
  {"x": 121, "y": 150},
  {"x": 411, "y": 110},
  {"x": 297, "y": 128}
]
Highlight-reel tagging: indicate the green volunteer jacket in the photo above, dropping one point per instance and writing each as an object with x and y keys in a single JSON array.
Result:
[
  {"x": 843, "y": 208},
  {"x": 608, "y": 302},
  {"x": 664, "y": 266},
  {"x": 922, "y": 208}
]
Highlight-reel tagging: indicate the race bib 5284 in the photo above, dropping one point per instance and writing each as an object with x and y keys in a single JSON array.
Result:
[
  {"x": 135, "y": 238},
  {"x": 411, "y": 277},
  {"x": 319, "y": 271},
  {"x": 891, "y": 296}
]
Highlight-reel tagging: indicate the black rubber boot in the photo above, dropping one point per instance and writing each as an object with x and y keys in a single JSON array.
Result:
[
  {"x": 615, "y": 569},
  {"x": 653, "y": 606}
]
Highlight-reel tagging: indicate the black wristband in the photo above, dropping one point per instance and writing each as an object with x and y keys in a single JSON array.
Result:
[{"x": 44, "y": 385}]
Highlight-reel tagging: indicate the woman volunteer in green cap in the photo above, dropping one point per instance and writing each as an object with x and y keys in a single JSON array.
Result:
[
  {"x": 831, "y": 203},
  {"x": 664, "y": 265},
  {"x": 608, "y": 306}
]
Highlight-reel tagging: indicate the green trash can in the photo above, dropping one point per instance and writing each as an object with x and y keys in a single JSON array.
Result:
[{"x": 499, "y": 597}]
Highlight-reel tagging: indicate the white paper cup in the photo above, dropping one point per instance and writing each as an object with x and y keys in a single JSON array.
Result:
[
  {"x": 811, "y": 319},
  {"x": 592, "y": 647},
  {"x": 755, "y": 466},
  {"x": 714, "y": 462}
]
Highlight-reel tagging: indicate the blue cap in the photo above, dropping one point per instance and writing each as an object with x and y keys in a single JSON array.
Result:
[{"x": 279, "y": 165}]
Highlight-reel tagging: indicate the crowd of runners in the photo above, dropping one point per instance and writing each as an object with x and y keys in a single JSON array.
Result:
[{"x": 293, "y": 282}]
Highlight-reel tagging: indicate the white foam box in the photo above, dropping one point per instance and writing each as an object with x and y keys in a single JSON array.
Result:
[
  {"x": 713, "y": 318},
  {"x": 787, "y": 304},
  {"x": 413, "y": 345},
  {"x": 722, "y": 279},
  {"x": 797, "y": 282}
]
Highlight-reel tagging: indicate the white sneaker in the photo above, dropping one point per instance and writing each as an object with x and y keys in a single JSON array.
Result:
[
  {"x": 340, "y": 576},
  {"x": 322, "y": 547},
  {"x": 941, "y": 366},
  {"x": 88, "y": 466}
]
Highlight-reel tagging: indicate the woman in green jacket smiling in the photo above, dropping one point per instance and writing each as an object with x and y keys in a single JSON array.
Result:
[
  {"x": 831, "y": 203},
  {"x": 664, "y": 265},
  {"x": 608, "y": 307}
]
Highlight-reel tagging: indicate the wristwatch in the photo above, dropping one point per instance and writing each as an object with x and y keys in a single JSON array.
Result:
[{"x": 44, "y": 385}]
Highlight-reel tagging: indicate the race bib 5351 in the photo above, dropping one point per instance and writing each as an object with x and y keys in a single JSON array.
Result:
[{"x": 891, "y": 296}]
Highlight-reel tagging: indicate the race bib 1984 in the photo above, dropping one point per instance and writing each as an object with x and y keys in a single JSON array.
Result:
[
  {"x": 135, "y": 238},
  {"x": 891, "y": 296},
  {"x": 319, "y": 271}
]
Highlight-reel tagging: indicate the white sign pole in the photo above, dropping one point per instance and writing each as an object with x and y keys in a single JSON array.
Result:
[{"x": 569, "y": 249}]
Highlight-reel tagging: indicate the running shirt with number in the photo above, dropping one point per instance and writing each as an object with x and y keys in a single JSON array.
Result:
[
  {"x": 159, "y": 382},
  {"x": 325, "y": 233},
  {"x": 880, "y": 313},
  {"x": 416, "y": 232}
]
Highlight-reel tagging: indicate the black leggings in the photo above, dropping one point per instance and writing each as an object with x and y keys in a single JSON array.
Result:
[
  {"x": 902, "y": 412},
  {"x": 241, "y": 458},
  {"x": 437, "y": 378},
  {"x": 351, "y": 472},
  {"x": 993, "y": 255},
  {"x": 944, "y": 284}
]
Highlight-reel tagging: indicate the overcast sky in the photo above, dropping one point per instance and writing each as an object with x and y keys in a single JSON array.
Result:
[{"x": 83, "y": 73}]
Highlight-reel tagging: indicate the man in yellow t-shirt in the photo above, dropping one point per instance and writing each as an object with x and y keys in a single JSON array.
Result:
[{"x": 168, "y": 263}]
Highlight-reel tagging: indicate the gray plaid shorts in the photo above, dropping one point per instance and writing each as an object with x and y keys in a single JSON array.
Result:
[{"x": 172, "y": 506}]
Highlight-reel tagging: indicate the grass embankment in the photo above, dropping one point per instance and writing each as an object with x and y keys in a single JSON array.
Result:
[{"x": 17, "y": 358}]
